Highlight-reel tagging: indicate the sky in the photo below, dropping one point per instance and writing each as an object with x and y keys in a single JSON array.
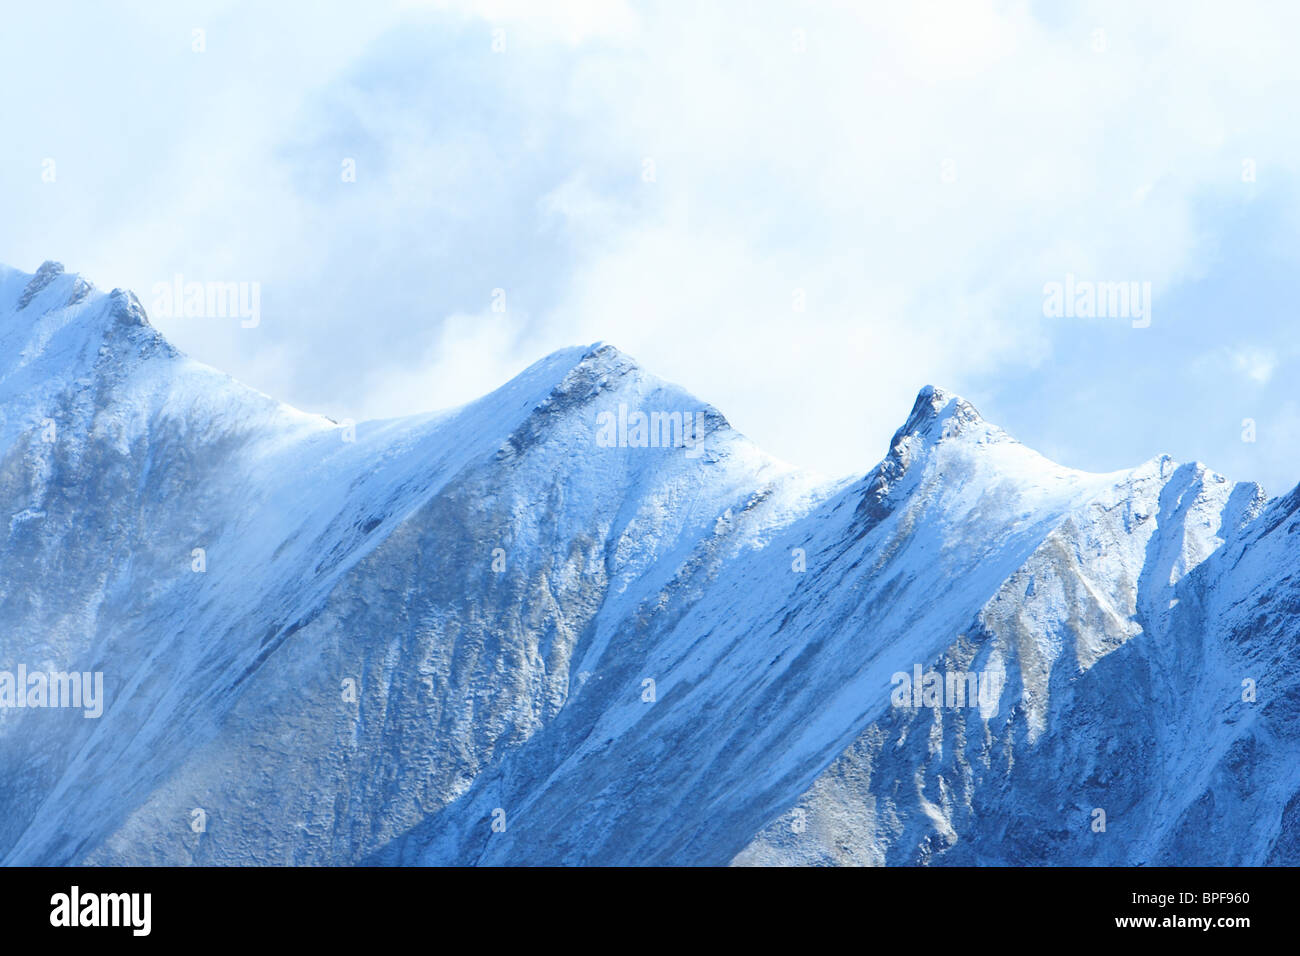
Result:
[{"x": 801, "y": 212}]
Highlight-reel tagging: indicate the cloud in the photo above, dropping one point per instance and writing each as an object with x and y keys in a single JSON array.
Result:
[
  {"x": 1255, "y": 364},
  {"x": 801, "y": 212},
  {"x": 572, "y": 21}
]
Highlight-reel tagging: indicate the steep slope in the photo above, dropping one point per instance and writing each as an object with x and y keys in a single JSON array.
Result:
[
  {"x": 763, "y": 672},
  {"x": 513, "y": 633},
  {"x": 1107, "y": 695},
  {"x": 301, "y": 531}
]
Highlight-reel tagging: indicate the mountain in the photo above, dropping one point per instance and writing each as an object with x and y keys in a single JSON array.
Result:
[{"x": 540, "y": 629}]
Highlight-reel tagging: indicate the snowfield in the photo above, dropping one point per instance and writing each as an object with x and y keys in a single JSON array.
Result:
[{"x": 484, "y": 636}]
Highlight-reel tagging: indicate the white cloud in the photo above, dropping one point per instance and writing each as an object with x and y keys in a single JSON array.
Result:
[
  {"x": 572, "y": 21},
  {"x": 918, "y": 170},
  {"x": 1255, "y": 364}
]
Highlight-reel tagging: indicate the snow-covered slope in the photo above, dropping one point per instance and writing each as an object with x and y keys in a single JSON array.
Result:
[{"x": 487, "y": 636}]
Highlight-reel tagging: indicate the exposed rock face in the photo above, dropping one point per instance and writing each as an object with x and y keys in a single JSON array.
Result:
[{"x": 484, "y": 636}]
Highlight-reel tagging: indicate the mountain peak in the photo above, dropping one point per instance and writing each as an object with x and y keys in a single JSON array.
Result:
[
  {"x": 126, "y": 309},
  {"x": 51, "y": 282},
  {"x": 58, "y": 327},
  {"x": 46, "y": 274},
  {"x": 48, "y": 269},
  {"x": 937, "y": 414},
  {"x": 604, "y": 354}
]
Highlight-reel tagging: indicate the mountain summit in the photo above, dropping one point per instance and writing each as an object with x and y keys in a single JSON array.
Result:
[{"x": 583, "y": 620}]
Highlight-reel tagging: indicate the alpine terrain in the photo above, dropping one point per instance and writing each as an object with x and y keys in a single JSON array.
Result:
[{"x": 584, "y": 621}]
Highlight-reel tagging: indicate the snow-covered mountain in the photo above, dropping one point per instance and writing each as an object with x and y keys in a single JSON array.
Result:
[{"x": 510, "y": 633}]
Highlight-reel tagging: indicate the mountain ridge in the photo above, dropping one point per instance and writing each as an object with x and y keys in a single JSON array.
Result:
[{"x": 636, "y": 653}]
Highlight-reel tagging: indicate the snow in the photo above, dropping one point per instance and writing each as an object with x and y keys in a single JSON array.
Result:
[{"x": 498, "y": 588}]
